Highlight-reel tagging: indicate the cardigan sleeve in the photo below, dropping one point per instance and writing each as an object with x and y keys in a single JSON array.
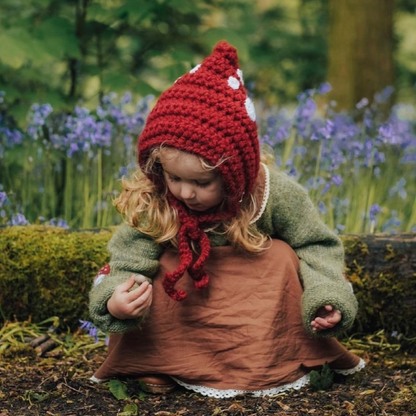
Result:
[
  {"x": 296, "y": 220},
  {"x": 131, "y": 252}
]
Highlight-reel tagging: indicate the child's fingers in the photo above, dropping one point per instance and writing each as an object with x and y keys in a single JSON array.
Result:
[
  {"x": 136, "y": 293},
  {"x": 143, "y": 303},
  {"x": 140, "y": 300},
  {"x": 127, "y": 285},
  {"x": 322, "y": 323},
  {"x": 335, "y": 317}
]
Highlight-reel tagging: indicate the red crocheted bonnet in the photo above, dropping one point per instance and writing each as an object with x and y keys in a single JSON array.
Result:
[{"x": 207, "y": 113}]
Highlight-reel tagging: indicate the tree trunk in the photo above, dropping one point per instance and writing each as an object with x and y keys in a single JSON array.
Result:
[{"x": 360, "y": 56}]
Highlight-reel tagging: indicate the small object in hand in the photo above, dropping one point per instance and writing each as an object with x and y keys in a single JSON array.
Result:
[{"x": 139, "y": 279}]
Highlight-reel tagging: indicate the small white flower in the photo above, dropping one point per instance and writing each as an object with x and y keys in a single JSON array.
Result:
[
  {"x": 250, "y": 109},
  {"x": 234, "y": 83},
  {"x": 240, "y": 75},
  {"x": 194, "y": 69}
]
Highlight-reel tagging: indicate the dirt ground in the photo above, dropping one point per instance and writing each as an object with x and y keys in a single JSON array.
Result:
[{"x": 32, "y": 385}]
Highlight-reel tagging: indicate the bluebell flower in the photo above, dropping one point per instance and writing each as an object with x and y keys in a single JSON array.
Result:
[
  {"x": 18, "y": 219},
  {"x": 374, "y": 211},
  {"x": 58, "y": 222},
  {"x": 322, "y": 208},
  {"x": 384, "y": 95},
  {"x": 362, "y": 103},
  {"x": 392, "y": 223},
  {"x": 93, "y": 331},
  {"x": 324, "y": 88},
  {"x": 337, "y": 180},
  {"x": 399, "y": 189},
  {"x": 3, "y": 199}
]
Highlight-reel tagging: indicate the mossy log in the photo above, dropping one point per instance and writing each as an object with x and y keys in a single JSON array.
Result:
[
  {"x": 382, "y": 269},
  {"x": 47, "y": 271}
]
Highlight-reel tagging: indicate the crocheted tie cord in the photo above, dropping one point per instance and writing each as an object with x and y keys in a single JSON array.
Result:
[
  {"x": 189, "y": 230},
  {"x": 207, "y": 113}
]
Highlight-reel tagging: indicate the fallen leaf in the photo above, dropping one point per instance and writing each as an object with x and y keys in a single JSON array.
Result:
[
  {"x": 363, "y": 393},
  {"x": 283, "y": 406}
]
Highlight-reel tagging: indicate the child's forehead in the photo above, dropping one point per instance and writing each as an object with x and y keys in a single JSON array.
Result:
[
  {"x": 173, "y": 159},
  {"x": 172, "y": 154}
]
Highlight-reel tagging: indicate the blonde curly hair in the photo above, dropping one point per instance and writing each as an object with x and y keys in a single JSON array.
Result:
[{"x": 145, "y": 207}]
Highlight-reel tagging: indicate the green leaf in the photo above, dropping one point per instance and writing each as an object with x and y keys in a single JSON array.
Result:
[
  {"x": 321, "y": 380},
  {"x": 142, "y": 88},
  {"x": 118, "y": 389},
  {"x": 58, "y": 38},
  {"x": 138, "y": 10},
  {"x": 186, "y": 7},
  {"x": 17, "y": 46},
  {"x": 130, "y": 410}
]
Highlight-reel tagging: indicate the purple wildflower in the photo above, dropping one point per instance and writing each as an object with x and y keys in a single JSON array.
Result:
[
  {"x": 374, "y": 211},
  {"x": 362, "y": 103},
  {"x": 3, "y": 199},
  {"x": 93, "y": 331},
  {"x": 399, "y": 189},
  {"x": 337, "y": 180},
  {"x": 384, "y": 95},
  {"x": 58, "y": 222},
  {"x": 91, "y": 328},
  {"x": 392, "y": 223},
  {"x": 18, "y": 219},
  {"x": 322, "y": 208},
  {"x": 324, "y": 88}
]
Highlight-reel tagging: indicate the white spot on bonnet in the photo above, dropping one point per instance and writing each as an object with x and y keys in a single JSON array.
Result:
[
  {"x": 250, "y": 109},
  {"x": 234, "y": 83},
  {"x": 240, "y": 75},
  {"x": 194, "y": 69}
]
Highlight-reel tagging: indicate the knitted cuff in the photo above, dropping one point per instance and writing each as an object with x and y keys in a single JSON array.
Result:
[
  {"x": 340, "y": 296},
  {"x": 99, "y": 296}
]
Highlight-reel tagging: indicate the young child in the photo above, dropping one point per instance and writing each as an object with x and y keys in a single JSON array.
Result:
[{"x": 223, "y": 277}]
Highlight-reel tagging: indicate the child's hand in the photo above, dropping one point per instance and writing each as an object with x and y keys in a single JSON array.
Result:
[
  {"x": 124, "y": 304},
  {"x": 326, "y": 317}
]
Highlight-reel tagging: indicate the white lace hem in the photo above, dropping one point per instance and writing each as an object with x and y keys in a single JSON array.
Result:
[
  {"x": 224, "y": 394},
  {"x": 265, "y": 195},
  {"x": 353, "y": 370},
  {"x": 97, "y": 380},
  {"x": 298, "y": 384}
]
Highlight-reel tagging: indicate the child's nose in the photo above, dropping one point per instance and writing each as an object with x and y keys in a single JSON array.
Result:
[{"x": 187, "y": 191}]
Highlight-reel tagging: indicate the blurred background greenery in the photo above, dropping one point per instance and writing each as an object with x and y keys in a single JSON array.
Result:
[{"x": 67, "y": 52}]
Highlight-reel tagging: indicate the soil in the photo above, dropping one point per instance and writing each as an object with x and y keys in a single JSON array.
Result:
[{"x": 32, "y": 385}]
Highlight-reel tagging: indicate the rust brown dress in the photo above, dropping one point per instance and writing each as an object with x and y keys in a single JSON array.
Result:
[{"x": 244, "y": 333}]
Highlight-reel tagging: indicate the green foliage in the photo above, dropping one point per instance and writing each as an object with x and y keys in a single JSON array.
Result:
[
  {"x": 322, "y": 380},
  {"x": 64, "y": 52},
  {"x": 130, "y": 409},
  {"x": 47, "y": 271},
  {"x": 118, "y": 389}
]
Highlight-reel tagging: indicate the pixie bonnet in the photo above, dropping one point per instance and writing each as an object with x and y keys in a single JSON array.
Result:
[{"x": 207, "y": 113}]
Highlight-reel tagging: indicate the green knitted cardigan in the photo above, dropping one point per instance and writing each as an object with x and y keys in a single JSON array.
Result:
[{"x": 288, "y": 215}]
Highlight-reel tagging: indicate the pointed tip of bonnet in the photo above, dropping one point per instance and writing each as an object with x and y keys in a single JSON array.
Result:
[{"x": 224, "y": 51}]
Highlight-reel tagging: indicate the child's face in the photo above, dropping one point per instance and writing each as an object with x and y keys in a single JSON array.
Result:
[{"x": 189, "y": 182}]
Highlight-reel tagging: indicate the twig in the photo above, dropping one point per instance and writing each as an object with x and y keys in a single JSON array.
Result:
[
  {"x": 37, "y": 341},
  {"x": 45, "y": 346}
]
